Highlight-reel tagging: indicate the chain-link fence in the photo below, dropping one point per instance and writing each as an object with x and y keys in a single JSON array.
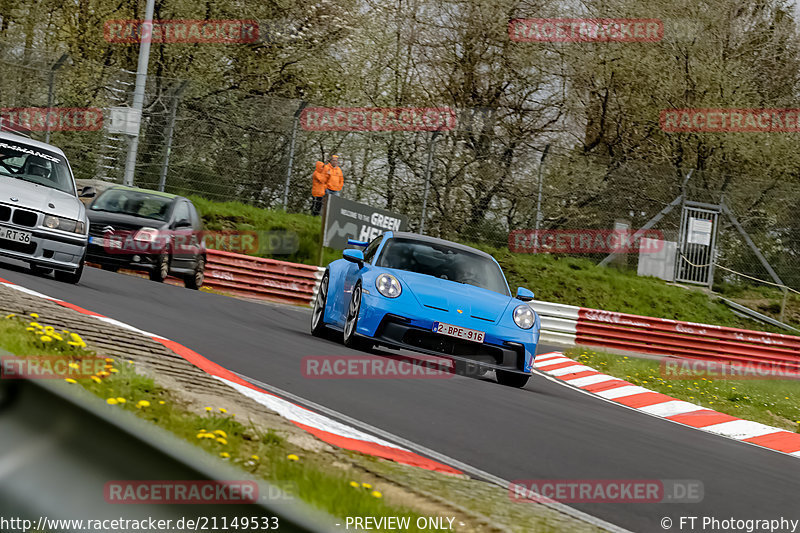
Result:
[{"x": 478, "y": 178}]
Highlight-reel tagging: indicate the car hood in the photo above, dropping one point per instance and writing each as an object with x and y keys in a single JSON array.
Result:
[
  {"x": 38, "y": 197},
  {"x": 122, "y": 221},
  {"x": 451, "y": 296}
]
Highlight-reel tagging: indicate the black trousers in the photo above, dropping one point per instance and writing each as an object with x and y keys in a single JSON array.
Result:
[{"x": 316, "y": 205}]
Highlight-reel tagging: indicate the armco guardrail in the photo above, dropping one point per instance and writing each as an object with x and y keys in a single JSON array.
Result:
[
  {"x": 256, "y": 277},
  {"x": 567, "y": 324},
  {"x": 61, "y": 446}
]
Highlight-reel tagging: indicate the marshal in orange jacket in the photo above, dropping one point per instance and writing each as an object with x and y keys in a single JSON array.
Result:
[
  {"x": 335, "y": 177},
  {"x": 320, "y": 182}
]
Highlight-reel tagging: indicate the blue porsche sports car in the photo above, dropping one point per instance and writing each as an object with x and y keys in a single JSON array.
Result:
[{"x": 430, "y": 296}]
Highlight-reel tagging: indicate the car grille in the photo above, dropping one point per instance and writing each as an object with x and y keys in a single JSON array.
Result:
[
  {"x": 25, "y": 218},
  {"x": 5, "y": 213},
  {"x": 21, "y": 247},
  {"x": 98, "y": 229}
]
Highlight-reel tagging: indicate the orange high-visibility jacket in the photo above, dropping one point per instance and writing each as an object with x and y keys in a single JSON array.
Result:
[
  {"x": 335, "y": 177},
  {"x": 320, "y": 178}
]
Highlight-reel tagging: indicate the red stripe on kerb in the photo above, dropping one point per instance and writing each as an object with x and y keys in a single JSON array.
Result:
[
  {"x": 581, "y": 374},
  {"x": 701, "y": 419},
  {"x": 643, "y": 399},
  {"x": 783, "y": 441},
  {"x": 371, "y": 448},
  {"x": 556, "y": 366},
  {"x": 206, "y": 365},
  {"x": 77, "y": 308}
]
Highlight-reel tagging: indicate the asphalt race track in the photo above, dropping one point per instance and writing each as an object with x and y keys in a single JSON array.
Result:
[{"x": 544, "y": 431}]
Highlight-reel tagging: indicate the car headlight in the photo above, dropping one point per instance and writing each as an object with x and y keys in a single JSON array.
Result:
[
  {"x": 388, "y": 286},
  {"x": 524, "y": 317},
  {"x": 146, "y": 235},
  {"x": 64, "y": 224}
]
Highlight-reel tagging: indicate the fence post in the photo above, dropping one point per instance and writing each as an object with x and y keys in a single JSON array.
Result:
[
  {"x": 431, "y": 146},
  {"x": 539, "y": 216},
  {"x": 170, "y": 130},
  {"x": 297, "y": 113}
]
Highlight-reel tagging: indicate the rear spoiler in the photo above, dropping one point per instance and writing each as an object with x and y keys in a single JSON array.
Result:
[{"x": 354, "y": 242}]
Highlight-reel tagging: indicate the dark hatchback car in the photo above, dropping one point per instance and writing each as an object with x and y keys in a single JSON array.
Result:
[{"x": 146, "y": 230}]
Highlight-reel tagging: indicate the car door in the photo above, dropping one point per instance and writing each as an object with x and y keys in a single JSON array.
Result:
[
  {"x": 353, "y": 273},
  {"x": 182, "y": 236}
]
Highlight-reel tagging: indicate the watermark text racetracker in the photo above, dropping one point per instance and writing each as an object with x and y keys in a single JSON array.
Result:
[
  {"x": 585, "y": 241},
  {"x": 153, "y": 241},
  {"x": 607, "y": 490},
  {"x": 147, "y": 524},
  {"x": 761, "y": 370},
  {"x": 731, "y": 524},
  {"x": 181, "y": 31},
  {"x": 51, "y": 366}
]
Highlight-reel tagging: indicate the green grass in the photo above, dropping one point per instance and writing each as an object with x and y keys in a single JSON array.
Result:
[
  {"x": 263, "y": 453},
  {"x": 771, "y": 402}
]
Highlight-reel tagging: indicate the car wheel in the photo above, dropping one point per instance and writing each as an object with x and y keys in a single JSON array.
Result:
[
  {"x": 195, "y": 280},
  {"x": 318, "y": 313},
  {"x": 161, "y": 271},
  {"x": 69, "y": 277},
  {"x": 351, "y": 340},
  {"x": 511, "y": 379}
]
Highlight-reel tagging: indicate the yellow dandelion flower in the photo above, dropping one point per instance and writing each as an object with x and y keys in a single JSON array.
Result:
[
  {"x": 366, "y": 485},
  {"x": 74, "y": 366},
  {"x": 112, "y": 401},
  {"x": 222, "y": 441},
  {"x": 36, "y": 325},
  {"x": 11, "y": 315},
  {"x": 292, "y": 457},
  {"x": 46, "y": 338},
  {"x": 103, "y": 374},
  {"x": 34, "y": 315},
  {"x": 377, "y": 494},
  {"x": 30, "y": 329},
  {"x": 70, "y": 380},
  {"x": 221, "y": 433},
  {"x": 161, "y": 402},
  {"x": 108, "y": 360},
  {"x": 142, "y": 403},
  {"x": 96, "y": 379},
  {"x": 255, "y": 458},
  {"x": 223, "y": 410},
  {"x": 121, "y": 400},
  {"x": 354, "y": 484},
  {"x": 113, "y": 370},
  {"x": 224, "y": 455},
  {"x": 201, "y": 435},
  {"x": 209, "y": 409}
]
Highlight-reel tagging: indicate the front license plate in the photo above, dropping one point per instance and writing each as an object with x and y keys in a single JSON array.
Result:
[
  {"x": 106, "y": 243},
  {"x": 15, "y": 235},
  {"x": 458, "y": 331}
]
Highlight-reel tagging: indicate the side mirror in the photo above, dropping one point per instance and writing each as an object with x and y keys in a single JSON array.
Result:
[
  {"x": 183, "y": 223},
  {"x": 354, "y": 256},
  {"x": 524, "y": 294},
  {"x": 88, "y": 192}
]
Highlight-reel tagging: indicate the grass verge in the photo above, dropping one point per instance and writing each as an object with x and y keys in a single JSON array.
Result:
[
  {"x": 770, "y": 402},
  {"x": 263, "y": 454}
]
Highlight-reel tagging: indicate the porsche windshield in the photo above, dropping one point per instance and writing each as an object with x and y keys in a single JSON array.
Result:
[
  {"x": 444, "y": 262},
  {"x": 35, "y": 165}
]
